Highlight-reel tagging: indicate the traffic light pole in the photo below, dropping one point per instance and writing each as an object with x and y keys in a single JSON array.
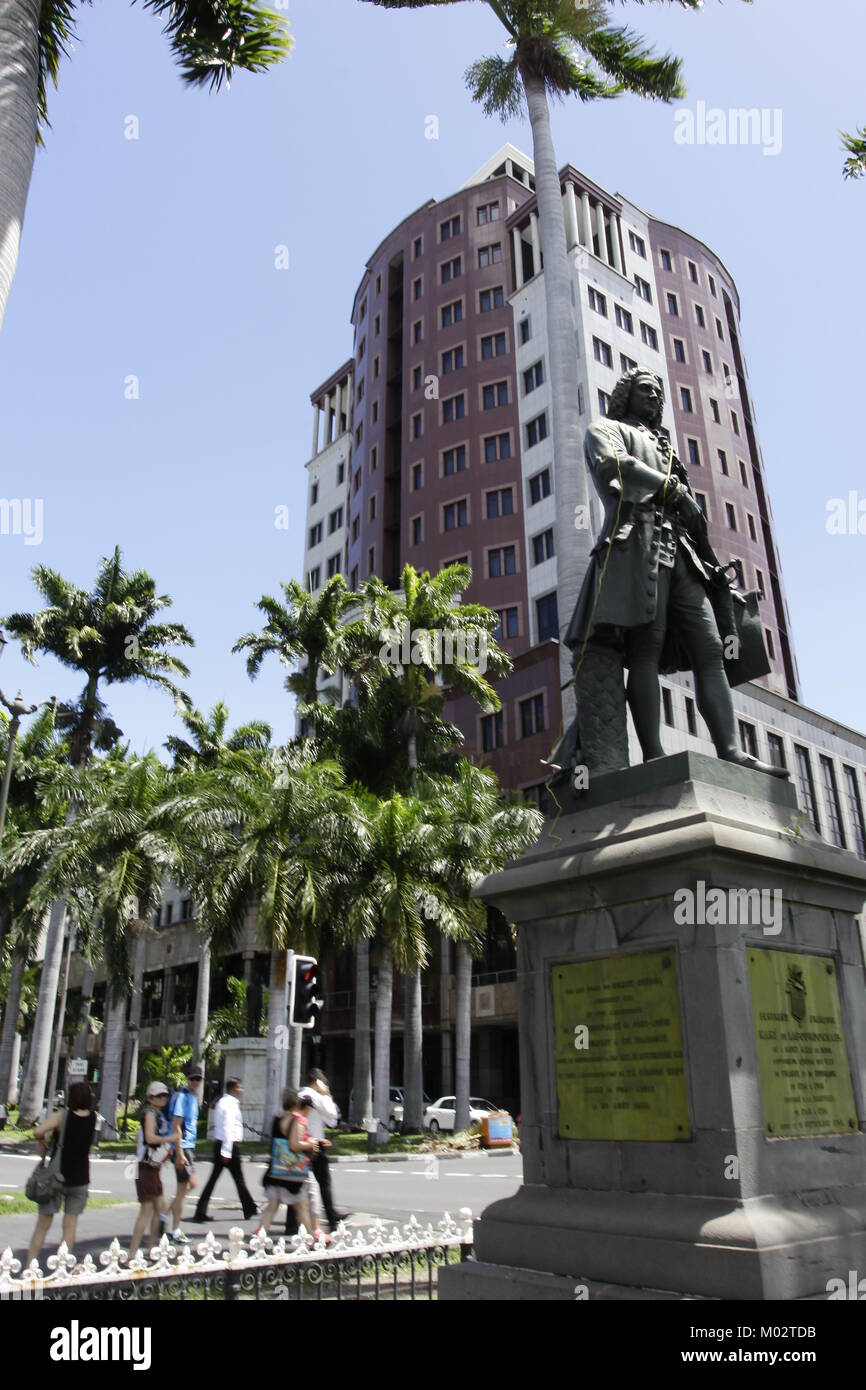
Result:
[{"x": 291, "y": 1073}]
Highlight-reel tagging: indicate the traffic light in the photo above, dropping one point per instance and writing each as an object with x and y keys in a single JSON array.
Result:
[{"x": 306, "y": 1001}]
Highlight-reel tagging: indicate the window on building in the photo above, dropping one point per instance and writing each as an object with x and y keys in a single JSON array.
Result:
[
  {"x": 806, "y": 785},
  {"x": 665, "y": 258},
  {"x": 417, "y": 476},
  {"x": 714, "y": 407},
  {"x": 719, "y": 330},
  {"x": 694, "y": 450},
  {"x": 649, "y": 336},
  {"x": 356, "y": 528},
  {"x": 333, "y": 565},
  {"x": 378, "y": 284},
  {"x": 353, "y": 579},
  {"x": 417, "y": 331},
  {"x": 341, "y": 472},
  {"x": 417, "y": 529},
  {"x": 855, "y": 809},
  {"x": 363, "y": 313},
  {"x": 597, "y": 301},
  {"x": 701, "y": 499},
  {"x": 686, "y": 400},
  {"x": 673, "y": 305},
  {"x": 488, "y": 212},
  {"x": 691, "y": 720},
  {"x": 314, "y": 578},
  {"x": 667, "y": 706},
  {"x": 623, "y": 318},
  {"x": 374, "y": 458},
  {"x": 335, "y": 520},
  {"x": 454, "y": 408},
  {"x": 417, "y": 288},
  {"x": 455, "y": 514},
  {"x": 539, "y": 486},
  {"x": 493, "y": 345},
  {"x": 492, "y": 731},
  {"x": 315, "y": 534},
  {"x": 491, "y": 299},
  {"x": 712, "y": 284},
  {"x": 532, "y": 719},
  {"x": 524, "y": 331},
  {"x": 771, "y": 644},
  {"x": 500, "y": 503},
  {"x": 626, "y": 363},
  {"x": 700, "y": 317},
  {"x": 376, "y": 360},
  {"x": 547, "y": 617},
  {"x": 533, "y": 377},
  {"x": 750, "y": 522},
  {"x": 603, "y": 402},
  {"x": 776, "y": 745},
  {"x": 452, "y": 270},
  {"x": 497, "y": 446},
  {"x": 542, "y": 546},
  {"x": 417, "y": 425},
  {"x": 536, "y": 430},
  {"x": 748, "y": 737},
  {"x": 744, "y": 474},
  {"x": 759, "y": 581},
  {"x": 637, "y": 244},
  {"x": 835, "y": 824},
  {"x": 723, "y": 462},
  {"x": 679, "y": 350},
  {"x": 730, "y": 516},
  {"x": 449, "y": 228},
  {"x": 186, "y": 909},
  {"x": 371, "y": 560},
  {"x": 508, "y": 626},
  {"x": 417, "y": 378},
  {"x": 643, "y": 288},
  {"x": 452, "y": 313},
  {"x": 454, "y": 460},
  {"x": 693, "y": 272},
  {"x": 489, "y": 255},
  {"x": 735, "y": 423},
  {"x": 452, "y": 360},
  {"x": 495, "y": 394},
  {"x": 501, "y": 561},
  {"x": 314, "y": 494},
  {"x": 377, "y": 325},
  {"x": 417, "y": 246},
  {"x": 601, "y": 352}
]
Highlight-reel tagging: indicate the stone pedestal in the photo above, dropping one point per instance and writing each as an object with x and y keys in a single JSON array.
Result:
[
  {"x": 719, "y": 1207},
  {"x": 246, "y": 1058}
]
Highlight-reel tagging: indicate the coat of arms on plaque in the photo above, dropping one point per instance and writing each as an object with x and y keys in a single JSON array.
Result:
[{"x": 796, "y": 990}]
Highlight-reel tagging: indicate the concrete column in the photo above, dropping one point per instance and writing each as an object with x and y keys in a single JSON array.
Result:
[
  {"x": 536, "y": 243},
  {"x": 602, "y": 236},
  {"x": 571, "y": 233},
  {"x": 317, "y": 416},
  {"x": 586, "y": 221},
  {"x": 167, "y": 1003},
  {"x": 13, "y": 1070},
  {"x": 518, "y": 258},
  {"x": 614, "y": 237}
]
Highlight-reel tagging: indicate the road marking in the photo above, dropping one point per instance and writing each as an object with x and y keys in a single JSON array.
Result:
[{"x": 102, "y": 1191}]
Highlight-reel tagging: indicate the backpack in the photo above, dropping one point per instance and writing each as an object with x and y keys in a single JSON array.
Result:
[{"x": 46, "y": 1180}]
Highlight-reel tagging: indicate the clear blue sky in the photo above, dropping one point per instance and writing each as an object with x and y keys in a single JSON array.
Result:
[{"x": 156, "y": 257}]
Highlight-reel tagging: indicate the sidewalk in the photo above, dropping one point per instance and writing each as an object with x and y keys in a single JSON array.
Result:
[{"x": 29, "y": 1148}]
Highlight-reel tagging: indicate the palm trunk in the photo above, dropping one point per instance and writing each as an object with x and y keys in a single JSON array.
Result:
[
  {"x": 463, "y": 1032},
  {"x": 87, "y": 979},
  {"x": 19, "y": 80},
  {"x": 61, "y": 1014},
  {"x": 362, "y": 1088},
  {"x": 413, "y": 1054},
  {"x": 112, "y": 1058},
  {"x": 572, "y": 545},
  {"x": 10, "y": 1024},
  {"x": 131, "y": 1075},
  {"x": 202, "y": 999},
  {"x": 277, "y": 1019},
  {"x": 382, "y": 1062},
  {"x": 33, "y": 1091}
]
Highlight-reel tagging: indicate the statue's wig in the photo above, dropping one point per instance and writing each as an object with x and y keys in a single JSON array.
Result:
[{"x": 621, "y": 395}]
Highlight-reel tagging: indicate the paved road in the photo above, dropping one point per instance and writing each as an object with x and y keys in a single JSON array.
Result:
[{"x": 393, "y": 1191}]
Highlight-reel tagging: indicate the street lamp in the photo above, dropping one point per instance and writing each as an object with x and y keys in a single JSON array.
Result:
[{"x": 17, "y": 709}]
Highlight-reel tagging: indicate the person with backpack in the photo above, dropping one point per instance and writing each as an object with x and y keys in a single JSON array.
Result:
[
  {"x": 152, "y": 1151},
  {"x": 183, "y": 1112},
  {"x": 287, "y": 1176},
  {"x": 73, "y": 1135}
]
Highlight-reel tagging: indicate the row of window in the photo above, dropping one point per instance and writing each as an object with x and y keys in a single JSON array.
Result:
[
  {"x": 489, "y": 346},
  {"x": 672, "y": 301},
  {"x": 531, "y": 719},
  {"x": 666, "y": 261}
]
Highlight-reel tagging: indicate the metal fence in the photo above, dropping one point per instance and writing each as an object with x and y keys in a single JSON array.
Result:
[{"x": 378, "y": 1263}]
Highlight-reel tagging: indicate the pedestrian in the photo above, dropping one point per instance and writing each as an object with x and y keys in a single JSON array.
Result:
[
  {"x": 183, "y": 1112},
  {"x": 287, "y": 1176},
  {"x": 152, "y": 1151},
  {"x": 73, "y": 1129},
  {"x": 324, "y": 1113},
  {"x": 228, "y": 1133}
]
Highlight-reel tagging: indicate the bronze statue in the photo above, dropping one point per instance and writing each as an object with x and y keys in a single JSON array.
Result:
[{"x": 654, "y": 597}]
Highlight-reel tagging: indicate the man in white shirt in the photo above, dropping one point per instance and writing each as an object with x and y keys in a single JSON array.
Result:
[
  {"x": 324, "y": 1113},
  {"x": 228, "y": 1132}
]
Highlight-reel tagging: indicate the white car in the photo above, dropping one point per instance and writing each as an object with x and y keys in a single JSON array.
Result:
[
  {"x": 441, "y": 1114},
  {"x": 397, "y": 1098}
]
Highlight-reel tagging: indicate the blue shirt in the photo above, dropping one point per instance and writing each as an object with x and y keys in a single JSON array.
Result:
[{"x": 185, "y": 1104}]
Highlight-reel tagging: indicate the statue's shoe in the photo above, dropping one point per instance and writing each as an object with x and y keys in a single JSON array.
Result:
[{"x": 755, "y": 764}]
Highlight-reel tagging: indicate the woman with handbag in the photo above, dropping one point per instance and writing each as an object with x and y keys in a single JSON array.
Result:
[
  {"x": 69, "y": 1167},
  {"x": 287, "y": 1176},
  {"x": 152, "y": 1150}
]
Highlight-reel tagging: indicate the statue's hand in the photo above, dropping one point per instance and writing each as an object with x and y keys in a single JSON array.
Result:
[{"x": 686, "y": 508}]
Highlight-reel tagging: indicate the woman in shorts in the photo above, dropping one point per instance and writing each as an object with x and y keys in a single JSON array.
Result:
[
  {"x": 291, "y": 1124},
  {"x": 152, "y": 1150},
  {"x": 74, "y": 1166}
]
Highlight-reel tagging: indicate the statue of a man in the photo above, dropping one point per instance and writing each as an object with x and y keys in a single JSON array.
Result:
[{"x": 646, "y": 593}]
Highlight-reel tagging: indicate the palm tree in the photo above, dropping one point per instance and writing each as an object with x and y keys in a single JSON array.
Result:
[
  {"x": 305, "y": 627},
  {"x": 209, "y": 39},
  {"x": 109, "y": 635},
  {"x": 479, "y": 833},
  {"x": 207, "y": 747},
  {"x": 111, "y": 862},
  {"x": 559, "y": 49},
  {"x": 855, "y": 163}
]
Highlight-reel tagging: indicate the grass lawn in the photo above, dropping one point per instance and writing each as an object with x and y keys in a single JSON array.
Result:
[{"x": 16, "y": 1204}]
